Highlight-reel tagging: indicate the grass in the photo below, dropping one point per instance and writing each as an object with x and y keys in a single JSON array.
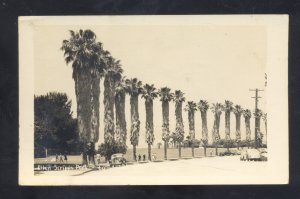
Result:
[{"x": 186, "y": 153}]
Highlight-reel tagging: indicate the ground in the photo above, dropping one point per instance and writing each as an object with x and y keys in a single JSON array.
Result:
[
  {"x": 202, "y": 166},
  {"x": 225, "y": 166}
]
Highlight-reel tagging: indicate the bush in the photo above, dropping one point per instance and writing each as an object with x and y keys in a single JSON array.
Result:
[{"x": 108, "y": 149}]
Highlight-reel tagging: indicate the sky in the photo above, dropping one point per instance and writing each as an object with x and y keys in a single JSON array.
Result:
[{"x": 211, "y": 62}]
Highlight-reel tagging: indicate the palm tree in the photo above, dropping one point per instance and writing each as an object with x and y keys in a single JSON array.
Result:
[
  {"x": 120, "y": 95},
  {"x": 237, "y": 110},
  {"x": 203, "y": 106},
  {"x": 149, "y": 93},
  {"x": 264, "y": 117},
  {"x": 134, "y": 87},
  {"x": 258, "y": 135},
  {"x": 217, "y": 111},
  {"x": 179, "y": 130},
  {"x": 227, "y": 109},
  {"x": 113, "y": 73},
  {"x": 165, "y": 97},
  {"x": 191, "y": 107},
  {"x": 88, "y": 61},
  {"x": 247, "y": 116}
]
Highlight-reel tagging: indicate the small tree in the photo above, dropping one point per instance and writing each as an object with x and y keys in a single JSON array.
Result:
[{"x": 107, "y": 149}]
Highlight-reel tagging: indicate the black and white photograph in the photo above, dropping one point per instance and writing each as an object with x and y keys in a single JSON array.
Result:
[{"x": 153, "y": 100}]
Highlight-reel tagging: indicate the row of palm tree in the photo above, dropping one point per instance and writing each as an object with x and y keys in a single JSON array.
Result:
[{"x": 90, "y": 63}]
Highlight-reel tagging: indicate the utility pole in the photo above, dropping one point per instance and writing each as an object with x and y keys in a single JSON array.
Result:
[{"x": 256, "y": 118}]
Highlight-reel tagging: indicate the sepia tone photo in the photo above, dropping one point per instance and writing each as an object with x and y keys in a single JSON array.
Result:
[{"x": 125, "y": 100}]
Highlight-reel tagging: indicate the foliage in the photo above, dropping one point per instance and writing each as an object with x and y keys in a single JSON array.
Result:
[
  {"x": 54, "y": 127},
  {"x": 83, "y": 50},
  {"x": 107, "y": 149}
]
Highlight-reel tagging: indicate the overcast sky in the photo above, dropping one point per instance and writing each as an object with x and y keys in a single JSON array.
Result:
[{"x": 211, "y": 62}]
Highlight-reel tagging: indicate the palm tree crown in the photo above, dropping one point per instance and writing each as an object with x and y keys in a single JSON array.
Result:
[
  {"x": 238, "y": 110},
  {"x": 247, "y": 113},
  {"x": 228, "y": 106},
  {"x": 149, "y": 92},
  {"x": 178, "y": 96},
  {"x": 190, "y": 106},
  {"x": 217, "y": 108},
  {"x": 121, "y": 85},
  {"x": 83, "y": 50},
  {"x": 134, "y": 86},
  {"x": 165, "y": 94},
  {"x": 113, "y": 68},
  {"x": 203, "y": 105}
]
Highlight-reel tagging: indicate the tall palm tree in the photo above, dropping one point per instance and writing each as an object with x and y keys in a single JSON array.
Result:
[
  {"x": 258, "y": 135},
  {"x": 203, "y": 106},
  {"x": 217, "y": 111},
  {"x": 120, "y": 95},
  {"x": 149, "y": 93},
  {"x": 134, "y": 87},
  {"x": 227, "y": 109},
  {"x": 247, "y": 116},
  {"x": 165, "y": 97},
  {"x": 88, "y": 62},
  {"x": 179, "y": 130},
  {"x": 265, "y": 119},
  {"x": 191, "y": 107},
  {"x": 113, "y": 73},
  {"x": 237, "y": 110}
]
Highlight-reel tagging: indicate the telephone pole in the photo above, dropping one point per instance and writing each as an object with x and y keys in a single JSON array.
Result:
[{"x": 256, "y": 118}]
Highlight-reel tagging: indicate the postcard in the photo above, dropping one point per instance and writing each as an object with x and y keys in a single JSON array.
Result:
[{"x": 153, "y": 100}]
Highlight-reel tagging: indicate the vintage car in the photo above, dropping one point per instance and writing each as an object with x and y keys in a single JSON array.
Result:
[
  {"x": 117, "y": 160},
  {"x": 253, "y": 154}
]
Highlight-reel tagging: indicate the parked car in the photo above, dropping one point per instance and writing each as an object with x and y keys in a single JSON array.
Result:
[
  {"x": 253, "y": 154},
  {"x": 228, "y": 153},
  {"x": 117, "y": 160}
]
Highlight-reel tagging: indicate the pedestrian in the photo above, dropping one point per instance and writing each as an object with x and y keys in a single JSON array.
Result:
[
  {"x": 56, "y": 157},
  {"x": 144, "y": 157},
  {"x": 66, "y": 158},
  {"x": 98, "y": 158},
  {"x": 140, "y": 157},
  {"x": 61, "y": 158}
]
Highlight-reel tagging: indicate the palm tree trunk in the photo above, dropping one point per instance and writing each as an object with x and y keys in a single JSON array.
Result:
[
  {"x": 179, "y": 125},
  {"x": 109, "y": 102},
  {"x": 179, "y": 150},
  {"x": 87, "y": 96},
  {"x": 134, "y": 152},
  {"x": 149, "y": 125},
  {"x": 149, "y": 152},
  {"x": 165, "y": 150},
  {"x": 135, "y": 123},
  {"x": 227, "y": 128},
  {"x": 121, "y": 131},
  {"x": 165, "y": 126},
  {"x": 204, "y": 130}
]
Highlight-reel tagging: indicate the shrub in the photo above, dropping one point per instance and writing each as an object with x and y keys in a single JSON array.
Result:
[{"x": 107, "y": 149}]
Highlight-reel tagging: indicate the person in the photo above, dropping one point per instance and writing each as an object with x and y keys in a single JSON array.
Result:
[
  {"x": 61, "y": 158},
  {"x": 66, "y": 158},
  {"x": 144, "y": 157},
  {"x": 140, "y": 157},
  {"x": 56, "y": 157},
  {"x": 98, "y": 158}
]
